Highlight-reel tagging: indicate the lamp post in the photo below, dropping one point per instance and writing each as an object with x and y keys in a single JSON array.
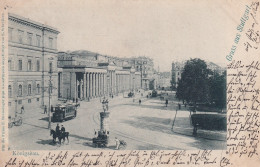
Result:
[{"x": 50, "y": 92}]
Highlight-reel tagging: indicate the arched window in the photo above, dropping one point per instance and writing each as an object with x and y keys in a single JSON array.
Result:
[
  {"x": 38, "y": 88},
  {"x": 20, "y": 90},
  {"x": 29, "y": 89},
  {"x": 9, "y": 91}
]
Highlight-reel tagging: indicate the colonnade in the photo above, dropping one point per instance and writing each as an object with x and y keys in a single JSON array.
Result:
[
  {"x": 91, "y": 85},
  {"x": 88, "y": 85}
]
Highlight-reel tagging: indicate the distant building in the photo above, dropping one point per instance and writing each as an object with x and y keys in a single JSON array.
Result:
[
  {"x": 32, "y": 49},
  {"x": 164, "y": 79},
  {"x": 145, "y": 65},
  {"x": 178, "y": 67}
]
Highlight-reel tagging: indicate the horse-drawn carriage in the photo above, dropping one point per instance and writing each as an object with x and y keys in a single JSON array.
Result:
[
  {"x": 17, "y": 121},
  {"x": 101, "y": 140}
]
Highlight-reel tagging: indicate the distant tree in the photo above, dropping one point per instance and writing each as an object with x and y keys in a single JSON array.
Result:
[
  {"x": 193, "y": 86},
  {"x": 217, "y": 84}
]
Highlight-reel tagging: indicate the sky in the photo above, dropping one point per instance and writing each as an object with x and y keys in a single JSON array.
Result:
[{"x": 165, "y": 31}]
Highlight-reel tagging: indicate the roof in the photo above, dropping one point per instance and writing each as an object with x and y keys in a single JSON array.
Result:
[{"x": 32, "y": 23}]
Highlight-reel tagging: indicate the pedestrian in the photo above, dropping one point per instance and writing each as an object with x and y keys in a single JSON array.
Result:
[
  {"x": 166, "y": 102},
  {"x": 77, "y": 100},
  {"x": 112, "y": 96},
  {"x": 117, "y": 143},
  {"x": 73, "y": 99},
  {"x": 179, "y": 106},
  {"x": 140, "y": 101},
  {"x": 22, "y": 109},
  {"x": 45, "y": 109}
]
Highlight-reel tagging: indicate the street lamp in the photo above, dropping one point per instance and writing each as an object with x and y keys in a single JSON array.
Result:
[{"x": 50, "y": 92}]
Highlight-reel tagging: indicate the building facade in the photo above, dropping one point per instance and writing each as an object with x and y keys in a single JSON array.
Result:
[
  {"x": 145, "y": 65},
  {"x": 178, "y": 67},
  {"x": 32, "y": 54},
  {"x": 87, "y": 75}
]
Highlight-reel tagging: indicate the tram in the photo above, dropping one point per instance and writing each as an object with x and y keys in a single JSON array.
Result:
[{"x": 64, "y": 112}]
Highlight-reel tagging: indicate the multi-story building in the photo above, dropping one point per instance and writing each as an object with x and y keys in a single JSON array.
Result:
[
  {"x": 145, "y": 66},
  {"x": 177, "y": 69},
  {"x": 164, "y": 79},
  {"x": 87, "y": 75},
  {"x": 32, "y": 50}
]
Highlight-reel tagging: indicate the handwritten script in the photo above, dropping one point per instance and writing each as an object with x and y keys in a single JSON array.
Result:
[{"x": 243, "y": 105}]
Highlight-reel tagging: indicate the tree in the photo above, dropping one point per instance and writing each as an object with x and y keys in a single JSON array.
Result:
[
  {"x": 193, "y": 85},
  {"x": 217, "y": 84}
]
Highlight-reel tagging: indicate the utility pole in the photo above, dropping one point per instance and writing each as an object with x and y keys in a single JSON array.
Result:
[{"x": 50, "y": 91}]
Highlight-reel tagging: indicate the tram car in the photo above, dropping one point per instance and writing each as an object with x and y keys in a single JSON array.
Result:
[{"x": 64, "y": 112}]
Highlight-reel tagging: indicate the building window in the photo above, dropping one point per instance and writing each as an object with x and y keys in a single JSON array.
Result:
[
  {"x": 29, "y": 65},
  {"x": 50, "y": 43},
  {"x": 20, "y": 36},
  {"x": 20, "y": 101},
  {"x": 10, "y": 34},
  {"x": 38, "y": 65},
  {"x": 29, "y": 100},
  {"x": 50, "y": 67},
  {"x": 38, "y": 99},
  {"x": 38, "y": 40},
  {"x": 38, "y": 88},
  {"x": 9, "y": 91},
  {"x": 20, "y": 65},
  {"x": 20, "y": 90},
  {"x": 29, "y": 89},
  {"x": 29, "y": 38},
  {"x": 9, "y": 65}
]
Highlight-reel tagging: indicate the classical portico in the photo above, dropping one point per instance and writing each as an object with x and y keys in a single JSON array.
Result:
[
  {"x": 83, "y": 83},
  {"x": 85, "y": 79}
]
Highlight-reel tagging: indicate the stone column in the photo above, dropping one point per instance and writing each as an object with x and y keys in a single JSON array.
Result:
[
  {"x": 114, "y": 76},
  {"x": 91, "y": 84},
  {"x": 96, "y": 77},
  {"x": 105, "y": 83},
  {"x": 77, "y": 83},
  {"x": 84, "y": 86},
  {"x": 73, "y": 85},
  {"x": 94, "y": 84},
  {"x": 80, "y": 88},
  {"x": 101, "y": 84},
  {"x": 87, "y": 85}
]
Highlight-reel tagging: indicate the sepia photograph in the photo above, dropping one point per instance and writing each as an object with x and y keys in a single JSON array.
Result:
[{"x": 93, "y": 76}]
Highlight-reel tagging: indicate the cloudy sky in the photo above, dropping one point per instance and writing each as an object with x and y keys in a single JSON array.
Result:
[{"x": 163, "y": 30}]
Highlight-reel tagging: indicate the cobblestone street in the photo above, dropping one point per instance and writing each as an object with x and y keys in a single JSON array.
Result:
[{"x": 145, "y": 126}]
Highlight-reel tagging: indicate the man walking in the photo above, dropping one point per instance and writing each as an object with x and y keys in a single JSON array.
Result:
[
  {"x": 166, "y": 102},
  {"x": 117, "y": 143},
  {"x": 45, "y": 109},
  {"x": 22, "y": 109}
]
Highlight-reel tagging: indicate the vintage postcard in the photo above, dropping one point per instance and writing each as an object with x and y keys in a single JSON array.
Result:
[{"x": 130, "y": 83}]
